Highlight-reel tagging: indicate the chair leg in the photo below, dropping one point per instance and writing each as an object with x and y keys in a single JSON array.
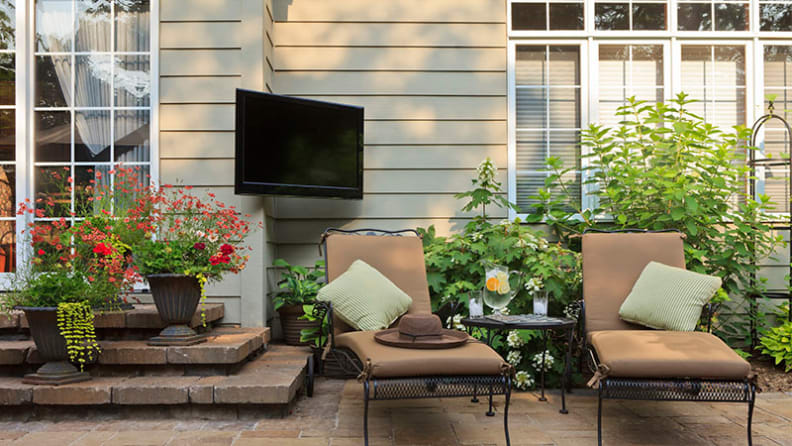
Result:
[
  {"x": 750, "y": 414},
  {"x": 506, "y": 410},
  {"x": 599, "y": 416},
  {"x": 309, "y": 377},
  {"x": 490, "y": 412},
  {"x": 365, "y": 412}
]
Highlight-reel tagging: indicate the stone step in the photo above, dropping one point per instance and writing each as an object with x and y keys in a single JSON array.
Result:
[
  {"x": 272, "y": 379},
  {"x": 143, "y": 317},
  {"x": 224, "y": 346}
]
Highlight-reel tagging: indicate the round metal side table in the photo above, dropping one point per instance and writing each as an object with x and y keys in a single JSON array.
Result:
[{"x": 489, "y": 328}]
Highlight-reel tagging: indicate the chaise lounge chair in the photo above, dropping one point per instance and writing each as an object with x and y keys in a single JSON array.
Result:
[
  {"x": 634, "y": 363},
  {"x": 387, "y": 372}
]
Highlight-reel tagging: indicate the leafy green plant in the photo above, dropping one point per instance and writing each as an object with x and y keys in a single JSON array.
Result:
[
  {"x": 299, "y": 285},
  {"x": 76, "y": 324},
  {"x": 777, "y": 343},
  {"x": 312, "y": 335},
  {"x": 664, "y": 168}
]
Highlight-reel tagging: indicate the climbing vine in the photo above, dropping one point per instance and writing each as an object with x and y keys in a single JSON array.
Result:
[{"x": 76, "y": 325}]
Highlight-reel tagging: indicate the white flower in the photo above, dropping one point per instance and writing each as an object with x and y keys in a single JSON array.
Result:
[
  {"x": 514, "y": 357},
  {"x": 504, "y": 222},
  {"x": 486, "y": 171},
  {"x": 504, "y": 310},
  {"x": 200, "y": 234},
  {"x": 523, "y": 381},
  {"x": 212, "y": 237},
  {"x": 457, "y": 322},
  {"x": 475, "y": 236},
  {"x": 533, "y": 285},
  {"x": 514, "y": 340},
  {"x": 536, "y": 361},
  {"x": 572, "y": 311}
]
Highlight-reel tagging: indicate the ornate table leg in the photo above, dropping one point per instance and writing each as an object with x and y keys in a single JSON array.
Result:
[
  {"x": 566, "y": 380},
  {"x": 544, "y": 353}
]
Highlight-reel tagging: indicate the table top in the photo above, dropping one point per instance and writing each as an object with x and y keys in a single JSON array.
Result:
[{"x": 525, "y": 321}]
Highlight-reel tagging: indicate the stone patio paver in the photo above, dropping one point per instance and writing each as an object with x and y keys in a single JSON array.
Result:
[{"x": 334, "y": 418}]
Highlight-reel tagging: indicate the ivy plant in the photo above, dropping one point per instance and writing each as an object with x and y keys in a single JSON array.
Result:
[{"x": 777, "y": 343}]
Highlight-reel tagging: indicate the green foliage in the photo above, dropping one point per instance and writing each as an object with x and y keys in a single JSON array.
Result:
[
  {"x": 664, "y": 168},
  {"x": 312, "y": 334},
  {"x": 299, "y": 285},
  {"x": 50, "y": 289},
  {"x": 76, "y": 324},
  {"x": 777, "y": 343},
  {"x": 487, "y": 191}
]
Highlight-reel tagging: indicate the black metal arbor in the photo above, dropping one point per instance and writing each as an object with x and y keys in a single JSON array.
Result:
[{"x": 783, "y": 222}]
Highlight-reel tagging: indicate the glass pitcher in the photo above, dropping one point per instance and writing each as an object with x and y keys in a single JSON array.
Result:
[{"x": 500, "y": 286}]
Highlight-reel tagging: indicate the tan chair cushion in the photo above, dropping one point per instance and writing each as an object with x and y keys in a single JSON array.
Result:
[
  {"x": 400, "y": 259},
  {"x": 667, "y": 354},
  {"x": 612, "y": 264},
  {"x": 474, "y": 358}
]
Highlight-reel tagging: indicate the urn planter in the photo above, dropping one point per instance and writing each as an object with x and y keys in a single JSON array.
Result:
[
  {"x": 176, "y": 297},
  {"x": 51, "y": 346},
  {"x": 292, "y": 325}
]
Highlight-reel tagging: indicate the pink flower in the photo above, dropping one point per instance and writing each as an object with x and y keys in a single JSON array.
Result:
[{"x": 199, "y": 246}]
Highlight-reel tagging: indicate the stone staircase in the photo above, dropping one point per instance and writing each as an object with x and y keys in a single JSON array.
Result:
[{"x": 236, "y": 368}]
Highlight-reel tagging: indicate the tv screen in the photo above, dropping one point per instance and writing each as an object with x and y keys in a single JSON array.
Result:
[{"x": 294, "y": 146}]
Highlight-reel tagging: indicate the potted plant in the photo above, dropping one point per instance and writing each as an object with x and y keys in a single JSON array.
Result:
[
  {"x": 192, "y": 241},
  {"x": 299, "y": 286}
]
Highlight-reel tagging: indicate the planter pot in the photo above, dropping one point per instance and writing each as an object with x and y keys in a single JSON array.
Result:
[
  {"x": 291, "y": 325},
  {"x": 176, "y": 297},
  {"x": 51, "y": 347}
]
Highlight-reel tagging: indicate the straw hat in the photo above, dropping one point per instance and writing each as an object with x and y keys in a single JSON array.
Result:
[{"x": 424, "y": 331}]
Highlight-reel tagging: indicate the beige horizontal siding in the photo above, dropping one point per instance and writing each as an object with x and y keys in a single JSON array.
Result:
[
  {"x": 390, "y": 83},
  {"x": 401, "y": 206},
  {"x": 432, "y": 157},
  {"x": 200, "y": 144},
  {"x": 202, "y": 62},
  {"x": 390, "y": 34},
  {"x": 200, "y": 10},
  {"x": 200, "y": 89},
  {"x": 425, "y": 107},
  {"x": 390, "y": 59},
  {"x": 215, "y": 117},
  {"x": 435, "y": 132},
  {"x": 198, "y": 172},
  {"x": 434, "y": 11},
  {"x": 180, "y": 35},
  {"x": 420, "y": 181}
]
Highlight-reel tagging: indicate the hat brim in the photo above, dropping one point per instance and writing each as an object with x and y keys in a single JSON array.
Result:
[{"x": 447, "y": 339}]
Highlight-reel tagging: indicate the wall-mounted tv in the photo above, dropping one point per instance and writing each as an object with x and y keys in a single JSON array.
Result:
[{"x": 300, "y": 147}]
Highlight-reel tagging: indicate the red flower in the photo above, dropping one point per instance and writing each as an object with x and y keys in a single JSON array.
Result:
[
  {"x": 199, "y": 246},
  {"x": 214, "y": 260},
  {"x": 226, "y": 249},
  {"x": 225, "y": 259},
  {"x": 41, "y": 252},
  {"x": 102, "y": 249}
]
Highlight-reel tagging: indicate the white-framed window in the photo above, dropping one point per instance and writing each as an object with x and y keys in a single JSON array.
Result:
[
  {"x": 735, "y": 53},
  {"x": 84, "y": 74}
]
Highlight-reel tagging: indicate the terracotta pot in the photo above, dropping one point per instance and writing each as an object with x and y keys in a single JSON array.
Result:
[
  {"x": 176, "y": 297},
  {"x": 292, "y": 326},
  {"x": 51, "y": 346}
]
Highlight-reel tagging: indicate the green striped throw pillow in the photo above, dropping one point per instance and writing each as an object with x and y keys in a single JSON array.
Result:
[
  {"x": 364, "y": 298},
  {"x": 668, "y": 298}
]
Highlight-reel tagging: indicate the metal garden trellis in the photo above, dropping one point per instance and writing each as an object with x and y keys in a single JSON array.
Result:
[{"x": 783, "y": 222}]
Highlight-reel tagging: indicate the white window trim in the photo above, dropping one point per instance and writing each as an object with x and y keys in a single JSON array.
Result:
[
  {"x": 25, "y": 36},
  {"x": 590, "y": 39}
]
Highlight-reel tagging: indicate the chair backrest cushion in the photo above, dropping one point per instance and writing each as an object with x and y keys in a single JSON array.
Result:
[
  {"x": 612, "y": 262},
  {"x": 399, "y": 258}
]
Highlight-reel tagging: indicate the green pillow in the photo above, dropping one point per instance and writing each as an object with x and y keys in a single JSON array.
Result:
[
  {"x": 668, "y": 298},
  {"x": 364, "y": 298}
]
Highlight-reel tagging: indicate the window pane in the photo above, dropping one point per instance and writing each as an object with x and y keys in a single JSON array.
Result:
[
  {"x": 531, "y": 108},
  {"x": 531, "y": 147},
  {"x": 647, "y": 65},
  {"x": 52, "y": 193},
  {"x": 86, "y": 181},
  {"x": 694, "y": 17},
  {"x": 53, "y": 81},
  {"x": 132, "y": 135},
  {"x": 716, "y": 77},
  {"x": 92, "y": 135},
  {"x": 649, "y": 16},
  {"x": 92, "y": 84},
  {"x": 529, "y": 16},
  {"x": 93, "y": 26},
  {"x": 613, "y": 65},
  {"x": 54, "y": 19},
  {"x": 53, "y": 136},
  {"x": 132, "y": 25},
  {"x": 778, "y": 66},
  {"x": 775, "y": 17},
  {"x": 7, "y": 79},
  {"x": 729, "y": 65},
  {"x": 7, "y": 195},
  {"x": 530, "y": 68},
  {"x": 7, "y": 135},
  {"x": 564, "y": 108},
  {"x": 7, "y": 246},
  {"x": 7, "y": 25},
  {"x": 731, "y": 17},
  {"x": 566, "y": 16},
  {"x": 612, "y": 16},
  {"x": 132, "y": 81},
  {"x": 564, "y": 65}
]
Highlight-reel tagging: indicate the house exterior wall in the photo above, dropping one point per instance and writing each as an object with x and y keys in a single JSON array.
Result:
[
  {"x": 208, "y": 48},
  {"x": 432, "y": 79}
]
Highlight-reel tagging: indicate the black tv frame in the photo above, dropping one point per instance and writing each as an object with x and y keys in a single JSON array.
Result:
[{"x": 242, "y": 187}]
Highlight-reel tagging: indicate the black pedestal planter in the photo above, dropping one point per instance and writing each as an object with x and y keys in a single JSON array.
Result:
[
  {"x": 176, "y": 296},
  {"x": 51, "y": 346}
]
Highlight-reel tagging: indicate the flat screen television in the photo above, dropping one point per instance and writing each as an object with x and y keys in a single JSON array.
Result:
[{"x": 298, "y": 147}]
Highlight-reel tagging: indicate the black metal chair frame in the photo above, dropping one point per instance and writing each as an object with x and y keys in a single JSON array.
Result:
[
  {"x": 377, "y": 389},
  {"x": 701, "y": 390}
]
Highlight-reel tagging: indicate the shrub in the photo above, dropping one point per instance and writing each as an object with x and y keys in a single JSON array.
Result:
[{"x": 777, "y": 343}]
